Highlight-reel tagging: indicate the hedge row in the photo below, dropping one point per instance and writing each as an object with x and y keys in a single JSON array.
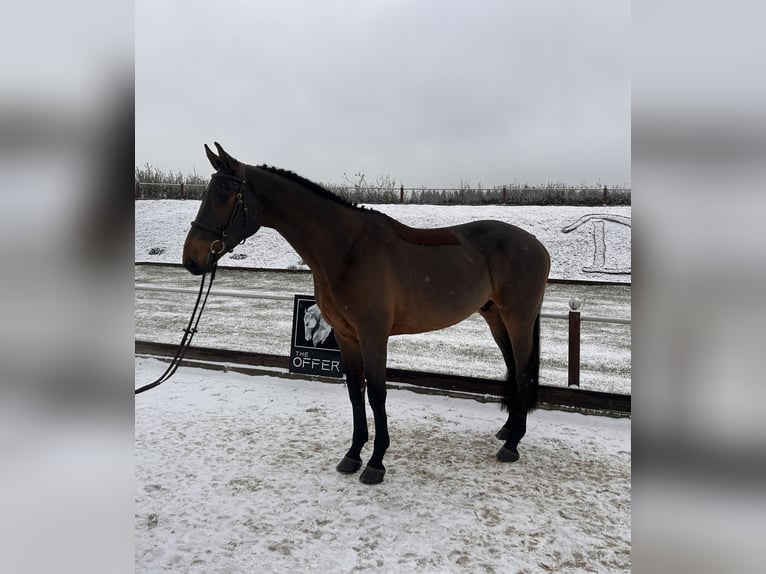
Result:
[{"x": 494, "y": 196}]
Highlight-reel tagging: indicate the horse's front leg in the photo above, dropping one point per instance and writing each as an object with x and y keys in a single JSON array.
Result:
[
  {"x": 374, "y": 471},
  {"x": 374, "y": 356},
  {"x": 352, "y": 360}
]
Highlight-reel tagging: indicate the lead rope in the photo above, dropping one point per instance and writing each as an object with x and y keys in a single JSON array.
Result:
[{"x": 191, "y": 328}]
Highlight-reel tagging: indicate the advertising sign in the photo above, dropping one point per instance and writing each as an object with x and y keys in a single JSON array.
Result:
[{"x": 313, "y": 349}]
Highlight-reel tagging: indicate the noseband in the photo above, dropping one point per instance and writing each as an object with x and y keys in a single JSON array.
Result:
[{"x": 222, "y": 232}]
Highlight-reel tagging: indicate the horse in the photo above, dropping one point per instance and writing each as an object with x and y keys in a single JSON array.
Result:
[
  {"x": 315, "y": 328},
  {"x": 375, "y": 277}
]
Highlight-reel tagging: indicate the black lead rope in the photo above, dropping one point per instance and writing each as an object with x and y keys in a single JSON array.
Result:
[{"x": 191, "y": 328}]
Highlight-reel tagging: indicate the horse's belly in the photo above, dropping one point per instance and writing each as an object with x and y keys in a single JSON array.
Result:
[
  {"x": 437, "y": 292},
  {"x": 436, "y": 310},
  {"x": 409, "y": 327}
]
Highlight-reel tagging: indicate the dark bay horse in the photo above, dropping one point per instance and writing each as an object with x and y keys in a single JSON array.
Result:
[{"x": 375, "y": 277}]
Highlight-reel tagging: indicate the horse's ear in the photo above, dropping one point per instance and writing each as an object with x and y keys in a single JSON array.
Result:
[
  {"x": 230, "y": 164},
  {"x": 215, "y": 161}
]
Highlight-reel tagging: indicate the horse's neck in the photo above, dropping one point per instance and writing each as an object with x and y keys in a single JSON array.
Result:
[{"x": 316, "y": 227}]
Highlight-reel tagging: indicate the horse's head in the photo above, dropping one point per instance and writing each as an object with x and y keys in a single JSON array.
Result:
[
  {"x": 229, "y": 213},
  {"x": 311, "y": 321}
]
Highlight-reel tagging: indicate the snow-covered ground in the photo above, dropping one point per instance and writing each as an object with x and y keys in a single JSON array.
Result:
[{"x": 235, "y": 473}]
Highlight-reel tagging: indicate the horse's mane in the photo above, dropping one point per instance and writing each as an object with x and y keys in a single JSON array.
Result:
[
  {"x": 311, "y": 186},
  {"x": 416, "y": 236}
]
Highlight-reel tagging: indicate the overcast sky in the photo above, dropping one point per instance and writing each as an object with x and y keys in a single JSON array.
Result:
[{"x": 428, "y": 92}]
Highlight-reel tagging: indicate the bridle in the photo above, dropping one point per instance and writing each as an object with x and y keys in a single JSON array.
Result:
[
  {"x": 221, "y": 236},
  {"x": 221, "y": 232}
]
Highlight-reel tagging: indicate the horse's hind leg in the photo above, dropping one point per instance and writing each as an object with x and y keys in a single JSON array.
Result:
[
  {"x": 491, "y": 314},
  {"x": 525, "y": 341}
]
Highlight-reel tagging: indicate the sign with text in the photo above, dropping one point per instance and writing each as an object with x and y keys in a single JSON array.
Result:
[{"x": 313, "y": 348}]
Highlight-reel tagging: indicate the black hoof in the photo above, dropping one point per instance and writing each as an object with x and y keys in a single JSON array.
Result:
[
  {"x": 507, "y": 455},
  {"x": 348, "y": 465},
  {"x": 503, "y": 434},
  {"x": 372, "y": 475}
]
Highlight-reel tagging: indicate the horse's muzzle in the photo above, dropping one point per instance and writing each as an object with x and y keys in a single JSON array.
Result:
[
  {"x": 193, "y": 268},
  {"x": 199, "y": 256}
]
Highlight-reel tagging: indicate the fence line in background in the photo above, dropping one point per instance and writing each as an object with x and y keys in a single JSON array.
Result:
[
  {"x": 307, "y": 271},
  {"x": 453, "y": 385},
  {"x": 574, "y": 318}
]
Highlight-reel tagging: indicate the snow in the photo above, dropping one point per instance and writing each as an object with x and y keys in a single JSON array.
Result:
[
  {"x": 163, "y": 225},
  {"x": 466, "y": 349},
  {"x": 235, "y": 473}
]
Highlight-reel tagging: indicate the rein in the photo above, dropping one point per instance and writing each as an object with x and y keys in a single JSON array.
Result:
[
  {"x": 191, "y": 328},
  {"x": 222, "y": 235}
]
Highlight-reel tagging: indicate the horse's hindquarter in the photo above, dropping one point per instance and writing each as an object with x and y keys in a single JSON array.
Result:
[{"x": 518, "y": 263}]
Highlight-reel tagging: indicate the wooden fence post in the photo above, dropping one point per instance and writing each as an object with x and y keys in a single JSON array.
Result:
[
  {"x": 137, "y": 194},
  {"x": 505, "y": 195},
  {"x": 401, "y": 193},
  {"x": 574, "y": 343},
  {"x": 603, "y": 198},
  {"x": 182, "y": 193}
]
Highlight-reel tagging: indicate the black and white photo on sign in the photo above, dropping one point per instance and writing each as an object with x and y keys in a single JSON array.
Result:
[
  {"x": 315, "y": 328},
  {"x": 312, "y": 330}
]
